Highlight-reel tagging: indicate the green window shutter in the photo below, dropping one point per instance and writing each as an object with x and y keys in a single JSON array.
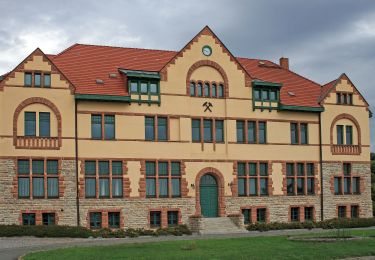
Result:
[
  {"x": 30, "y": 124},
  {"x": 240, "y": 131},
  {"x": 340, "y": 134},
  {"x": 109, "y": 127},
  {"x": 162, "y": 128},
  {"x": 195, "y": 129},
  {"x": 96, "y": 126},
  {"x": 52, "y": 166},
  {"x": 38, "y": 167},
  {"x": 23, "y": 166},
  {"x": 219, "y": 128},
  {"x": 117, "y": 168},
  {"x": 90, "y": 167},
  {"x": 150, "y": 128},
  {"x": 44, "y": 124},
  {"x": 349, "y": 135},
  {"x": 103, "y": 167}
]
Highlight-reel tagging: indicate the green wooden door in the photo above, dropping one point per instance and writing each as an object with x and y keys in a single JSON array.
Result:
[{"x": 208, "y": 196}]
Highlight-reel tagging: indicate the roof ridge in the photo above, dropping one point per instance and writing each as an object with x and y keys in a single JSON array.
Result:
[{"x": 122, "y": 47}]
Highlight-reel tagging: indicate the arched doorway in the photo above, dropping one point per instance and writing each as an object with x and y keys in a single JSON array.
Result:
[{"x": 208, "y": 191}]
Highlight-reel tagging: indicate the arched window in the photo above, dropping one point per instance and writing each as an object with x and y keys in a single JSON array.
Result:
[
  {"x": 199, "y": 89},
  {"x": 213, "y": 90},
  {"x": 206, "y": 89},
  {"x": 220, "y": 91}
]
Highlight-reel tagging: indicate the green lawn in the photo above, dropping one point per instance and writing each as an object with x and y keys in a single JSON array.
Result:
[{"x": 239, "y": 248}]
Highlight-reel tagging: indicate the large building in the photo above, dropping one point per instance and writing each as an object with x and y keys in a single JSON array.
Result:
[{"x": 121, "y": 137}]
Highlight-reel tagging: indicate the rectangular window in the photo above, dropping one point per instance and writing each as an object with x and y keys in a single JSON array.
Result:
[
  {"x": 95, "y": 220},
  {"x": 96, "y": 126},
  {"x": 251, "y": 132},
  {"x": 246, "y": 216},
  {"x": 355, "y": 185},
  {"x": 44, "y": 124},
  {"x": 144, "y": 89},
  {"x": 304, "y": 133},
  {"x": 349, "y": 135},
  {"x": 294, "y": 133},
  {"x": 109, "y": 127},
  {"x": 196, "y": 131},
  {"x": 52, "y": 187},
  {"x": 133, "y": 87},
  {"x": 199, "y": 89},
  {"x": 164, "y": 180},
  {"x": 341, "y": 212},
  {"x": 354, "y": 211},
  {"x": 257, "y": 94},
  {"x": 48, "y": 219},
  {"x": 220, "y": 91},
  {"x": 250, "y": 176},
  {"x": 294, "y": 214},
  {"x": 350, "y": 99},
  {"x": 338, "y": 98},
  {"x": 114, "y": 219},
  {"x": 340, "y": 134},
  {"x": 337, "y": 185},
  {"x": 47, "y": 81},
  {"x": 162, "y": 128},
  {"x": 28, "y": 79},
  {"x": 23, "y": 187},
  {"x": 37, "y": 80},
  {"x": 219, "y": 128},
  {"x": 155, "y": 219},
  {"x": 30, "y": 124},
  {"x": 261, "y": 215},
  {"x": 206, "y": 90},
  {"x": 240, "y": 132},
  {"x": 28, "y": 219},
  {"x": 207, "y": 130},
  {"x": 309, "y": 214},
  {"x": 172, "y": 217},
  {"x": 262, "y": 132},
  {"x": 213, "y": 90},
  {"x": 273, "y": 95},
  {"x": 300, "y": 178},
  {"x": 150, "y": 128}
]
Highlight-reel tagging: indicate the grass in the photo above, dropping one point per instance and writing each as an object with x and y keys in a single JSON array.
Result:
[{"x": 271, "y": 247}]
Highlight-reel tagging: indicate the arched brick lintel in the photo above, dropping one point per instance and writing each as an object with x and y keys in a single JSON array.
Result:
[
  {"x": 211, "y": 64},
  {"x": 37, "y": 100},
  {"x": 349, "y": 117},
  {"x": 220, "y": 183}
]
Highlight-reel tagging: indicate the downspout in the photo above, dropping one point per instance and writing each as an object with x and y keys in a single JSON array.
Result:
[
  {"x": 321, "y": 167},
  {"x": 76, "y": 158}
]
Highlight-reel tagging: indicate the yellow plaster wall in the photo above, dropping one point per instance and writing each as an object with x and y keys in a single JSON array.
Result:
[
  {"x": 134, "y": 175},
  {"x": 277, "y": 179},
  {"x": 205, "y": 72}
]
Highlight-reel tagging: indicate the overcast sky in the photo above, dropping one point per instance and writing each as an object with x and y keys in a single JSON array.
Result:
[{"x": 322, "y": 38}]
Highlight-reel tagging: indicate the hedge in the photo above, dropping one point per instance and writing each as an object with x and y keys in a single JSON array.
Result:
[
  {"x": 326, "y": 224},
  {"x": 82, "y": 232}
]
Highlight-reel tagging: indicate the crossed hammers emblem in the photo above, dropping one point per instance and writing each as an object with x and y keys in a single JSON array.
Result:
[{"x": 208, "y": 106}]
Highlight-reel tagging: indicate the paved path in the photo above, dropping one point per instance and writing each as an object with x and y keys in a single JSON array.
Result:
[{"x": 14, "y": 247}]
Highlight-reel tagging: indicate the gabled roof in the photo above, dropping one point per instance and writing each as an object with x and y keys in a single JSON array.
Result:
[{"x": 328, "y": 87}]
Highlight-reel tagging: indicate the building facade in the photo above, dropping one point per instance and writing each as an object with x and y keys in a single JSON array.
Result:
[{"x": 120, "y": 137}]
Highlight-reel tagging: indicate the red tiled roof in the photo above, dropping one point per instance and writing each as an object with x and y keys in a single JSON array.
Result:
[
  {"x": 327, "y": 88},
  {"x": 83, "y": 64}
]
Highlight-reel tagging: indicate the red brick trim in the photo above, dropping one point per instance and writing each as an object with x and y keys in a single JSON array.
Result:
[
  {"x": 301, "y": 212},
  {"x": 316, "y": 177},
  {"x": 221, "y": 192},
  {"x": 348, "y": 209},
  {"x": 105, "y": 212},
  {"x": 362, "y": 184},
  {"x": 253, "y": 209},
  {"x": 163, "y": 216},
  {"x": 346, "y": 149},
  {"x": 37, "y": 142},
  {"x": 39, "y": 216}
]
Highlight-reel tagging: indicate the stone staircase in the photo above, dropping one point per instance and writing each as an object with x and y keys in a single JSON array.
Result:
[{"x": 221, "y": 225}]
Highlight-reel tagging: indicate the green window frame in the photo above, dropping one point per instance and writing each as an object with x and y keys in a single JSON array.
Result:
[
  {"x": 349, "y": 134},
  {"x": 96, "y": 126},
  {"x": 261, "y": 215},
  {"x": 37, "y": 80},
  {"x": 162, "y": 128},
  {"x": 252, "y": 179},
  {"x": 155, "y": 219},
  {"x": 309, "y": 214},
  {"x": 196, "y": 130},
  {"x": 246, "y": 216},
  {"x": 262, "y": 135},
  {"x": 95, "y": 220},
  {"x": 219, "y": 129},
  {"x": 47, "y": 80},
  {"x": 354, "y": 211},
  {"x": 340, "y": 134},
  {"x": 149, "y": 128},
  {"x": 44, "y": 124},
  {"x": 30, "y": 124},
  {"x": 207, "y": 130},
  {"x": 295, "y": 214},
  {"x": 163, "y": 179},
  {"x": 341, "y": 212},
  {"x": 28, "y": 79},
  {"x": 265, "y": 94},
  {"x": 114, "y": 219},
  {"x": 28, "y": 219},
  {"x": 251, "y": 132},
  {"x": 48, "y": 219},
  {"x": 109, "y": 127},
  {"x": 240, "y": 131},
  {"x": 300, "y": 178},
  {"x": 172, "y": 218}
]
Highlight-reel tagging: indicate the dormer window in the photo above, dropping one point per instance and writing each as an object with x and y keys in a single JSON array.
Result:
[
  {"x": 266, "y": 95},
  {"x": 37, "y": 80},
  {"x": 343, "y": 98}
]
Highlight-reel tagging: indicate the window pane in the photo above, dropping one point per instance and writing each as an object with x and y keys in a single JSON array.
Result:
[
  {"x": 346, "y": 185},
  {"x": 150, "y": 187},
  {"x": 340, "y": 134},
  {"x": 52, "y": 167},
  {"x": 109, "y": 127},
  {"x": 273, "y": 96},
  {"x": 262, "y": 132},
  {"x": 257, "y": 94},
  {"x": 114, "y": 219},
  {"x": 290, "y": 186},
  {"x": 199, "y": 89},
  {"x": 240, "y": 132},
  {"x": 341, "y": 212},
  {"x": 294, "y": 214},
  {"x": 162, "y": 128},
  {"x": 354, "y": 212},
  {"x": 90, "y": 167},
  {"x": 337, "y": 185},
  {"x": 304, "y": 135},
  {"x": 155, "y": 217},
  {"x": 290, "y": 169},
  {"x": 163, "y": 187},
  {"x": 263, "y": 169},
  {"x": 90, "y": 187},
  {"x": 95, "y": 220},
  {"x": 149, "y": 128},
  {"x": 246, "y": 216},
  {"x": 38, "y": 187},
  {"x": 261, "y": 215},
  {"x": 350, "y": 99},
  {"x": 28, "y": 81},
  {"x": 103, "y": 187},
  {"x": 116, "y": 168},
  {"x": 241, "y": 186},
  {"x": 310, "y": 169},
  {"x": 23, "y": 187},
  {"x": 213, "y": 90},
  {"x": 96, "y": 126},
  {"x": 241, "y": 169},
  {"x": 48, "y": 219},
  {"x": 294, "y": 133},
  {"x": 172, "y": 218},
  {"x": 310, "y": 186},
  {"x": 196, "y": 133},
  {"x": 338, "y": 98},
  {"x": 349, "y": 135},
  {"x": 300, "y": 169},
  {"x": 144, "y": 87},
  {"x": 23, "y": 166},
  {"x": 219, "y": 125},
  {"x": 44, "y": 124},
  {"x": 37, "y": 81},
  {"x": 134, "y": 87},
  {"x": 220, "y": 91},
  {"x": 176, "y": 169},
  {"x": 103, "y": 167},
  {"x": 154, "y": 88},
  {"x": 38, "y": 166},
  {"x": 28, "y": 219},
  {"x": 207, "y": 130},
  {"x": 252, "y": 169},
  {"x": 347, "y": 168},
  {"x": 263, "y": 186},
  {"x": 47, "y": 80},
  {"x": 117, "y": 187},
  {"x": 265, "y": 95},
  {"x": 163, "y": 168},
  {"x": 309, "y": 214},
  {"x": 150, "y": 168},
  {"x": 251, "y": 137},
  {"x": 192, "y": 89},
  {"x": 176, "y": 187},
  {"x": 206, "y": 90},
  {"x": 253, "y": 188},
  {"x": 30, "y": 124},
  {"x": 300, "y": 186},
  {"x": 355, "y": 185},
  {"x": 52, "y": 187}
]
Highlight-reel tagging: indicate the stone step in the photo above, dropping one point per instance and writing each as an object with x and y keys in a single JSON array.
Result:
[{"x": 221, "y": 225}]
